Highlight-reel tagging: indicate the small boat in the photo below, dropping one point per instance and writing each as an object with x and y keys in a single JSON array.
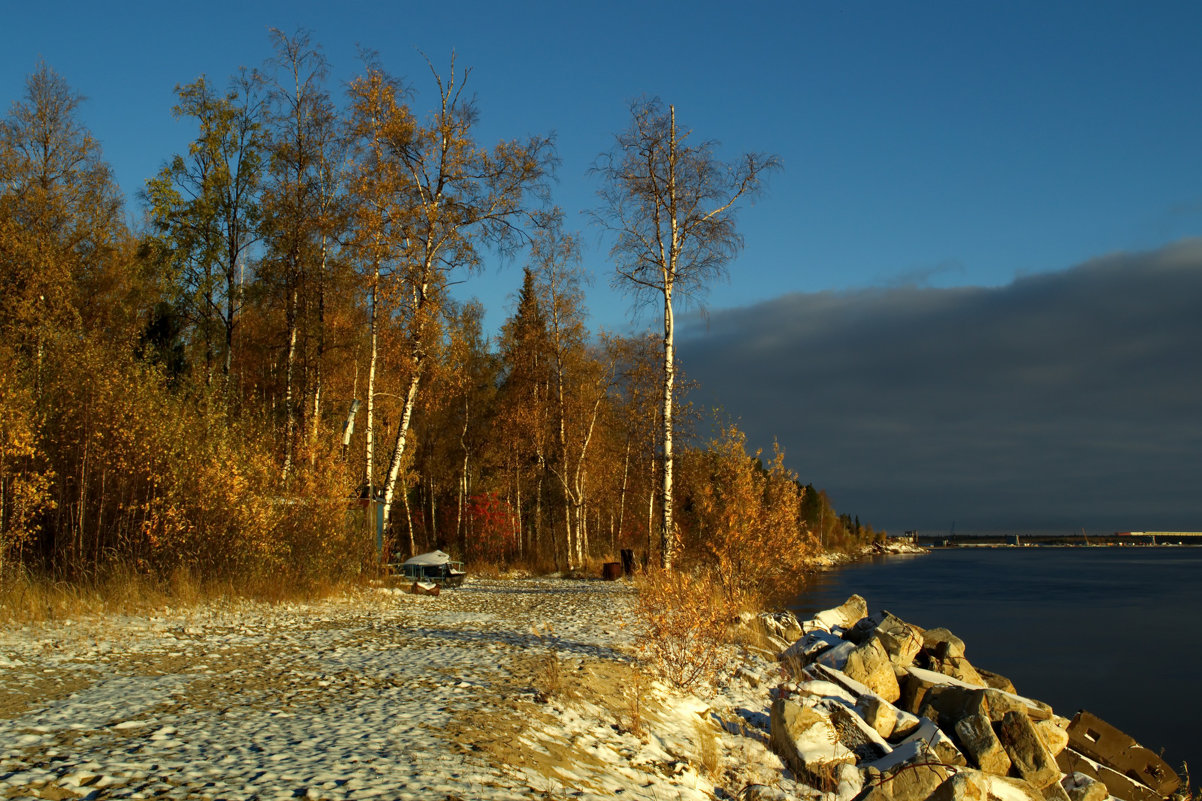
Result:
[{"x": 435, "y": 567}]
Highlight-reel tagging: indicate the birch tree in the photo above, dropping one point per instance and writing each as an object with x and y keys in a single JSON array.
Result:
[
  {"x": 580, "y": 382},
  {"x": 205, "y": 206},
  {"x": 669, "y": 205},
  {"x": 376, "y": 208},
  {"x": 455, "y": 196},
  {"x": 300, "y": 204}
]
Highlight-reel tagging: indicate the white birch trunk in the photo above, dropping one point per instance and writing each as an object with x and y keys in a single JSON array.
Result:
[
  {"x": 402, "y": 434},
  {"x": 289, "y": 373},
  {"x": 369, "y": 433},
  {"x": 667, "y": 533}
]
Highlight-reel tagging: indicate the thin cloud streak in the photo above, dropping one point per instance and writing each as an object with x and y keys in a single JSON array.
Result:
[{"x": 1062, "y": 400}]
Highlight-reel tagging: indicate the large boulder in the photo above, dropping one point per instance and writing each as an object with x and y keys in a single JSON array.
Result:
[
  {"x": 909, "y": 773},
  {"x": 870, "y": 665},
  {"x": 920, "y": 682},
  {"x": 960, "y": 668},
  {"x": 1029, "y": 757},
  {"x": 807, "y": 741},
  {"x": 938, "y": 742},
  {"x": 975, "y": 785},
  {"x": 1054, "y": 733},
  {"x": 942, "y": 644},
  {"x": 809, "y": 646},
  {"x": 843, "y": 616},
  {"x": 981, "y": 745},
  {"x": 878, "y": 713},
  {"x": 901, "y": 640}
]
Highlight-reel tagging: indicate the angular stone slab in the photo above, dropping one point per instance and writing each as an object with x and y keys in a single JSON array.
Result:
[
  {"x": 1054, "y": 733},
  {"x": 938, "y": 742},
  {"x": 843, "y": 616},
  {"x": 1029, "y": 756},
  {"x": 901, "y": 640},
  {"x": 905, "y": 775},
  {"x": 807, "y": 741},
  {"x": 941, "y": 644},
  {"x": 1098, "y": 740},
  {"x": 920, "y": 681},
  {"x": 1117, "y": 784},
  {"x": 996, "y": 680},
  {"x": 981, "y": 745},
  {"x": 878, "y": 713},
  {"x": 870, "y": 665},
  {"x": 975, "y": 785},
  {"x": 960, "y": 668}
]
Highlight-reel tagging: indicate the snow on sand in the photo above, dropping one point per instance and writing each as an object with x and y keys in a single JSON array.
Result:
[{"x": 498, "y": 690}]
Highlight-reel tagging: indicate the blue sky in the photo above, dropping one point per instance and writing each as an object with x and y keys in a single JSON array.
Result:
[{"x": 931, "y": 145}]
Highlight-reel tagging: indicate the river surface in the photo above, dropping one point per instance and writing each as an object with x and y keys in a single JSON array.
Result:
[{"x": 1117, "y": 631}]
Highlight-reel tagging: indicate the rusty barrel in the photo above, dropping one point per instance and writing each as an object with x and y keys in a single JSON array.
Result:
[{"x": 611, "y": 571}]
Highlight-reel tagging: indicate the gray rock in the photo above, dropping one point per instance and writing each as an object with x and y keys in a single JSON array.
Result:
[
  {"x": 809, "y": 646},
  {"x": 981, "y": 745},
  {"x": 1029, "y": 756},
  {"x": 835, "y": 657},
  {"x": 1080, "y": 787}
]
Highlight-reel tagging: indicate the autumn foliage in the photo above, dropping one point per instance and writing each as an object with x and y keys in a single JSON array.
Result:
[
  {"x": 742, "y": 520},
  {"x": 224, "y": 390}
]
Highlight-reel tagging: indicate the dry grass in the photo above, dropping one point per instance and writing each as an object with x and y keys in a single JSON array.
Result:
[
  {"x": 708, "y": 752},
  {"x": 635, "y": 693},
  {"x": 27, "y": 597}
]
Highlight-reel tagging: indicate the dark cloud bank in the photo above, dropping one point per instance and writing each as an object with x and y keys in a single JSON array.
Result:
[{"x": 1061, "y": 401}]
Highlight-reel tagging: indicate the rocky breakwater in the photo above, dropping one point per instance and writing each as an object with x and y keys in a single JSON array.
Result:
[{"x": 878, "y": 709}]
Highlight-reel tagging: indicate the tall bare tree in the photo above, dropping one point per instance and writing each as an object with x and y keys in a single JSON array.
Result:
[{"x": 670, "y": 207}]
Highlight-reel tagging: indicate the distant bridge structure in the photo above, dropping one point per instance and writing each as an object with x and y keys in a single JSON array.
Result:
[{"x": 995, "y": 538}]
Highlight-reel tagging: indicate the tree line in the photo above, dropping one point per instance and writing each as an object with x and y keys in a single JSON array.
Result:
[{"x": 272, "y": 350}]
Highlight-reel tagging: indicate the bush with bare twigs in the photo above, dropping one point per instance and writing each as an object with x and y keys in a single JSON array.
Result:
[{"x": 685, "y": 621}]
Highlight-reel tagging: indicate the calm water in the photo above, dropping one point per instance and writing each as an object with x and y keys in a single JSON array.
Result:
[{"x": 1117, "y": 631}]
